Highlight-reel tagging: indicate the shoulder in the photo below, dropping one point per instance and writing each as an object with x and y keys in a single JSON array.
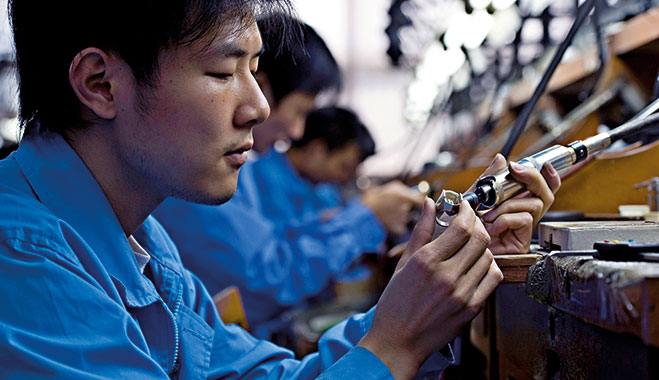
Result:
[
  {"x": 24, "y": 217},
  {"x": 25, "y": 223},
  {"x": 29, "y": 227}
]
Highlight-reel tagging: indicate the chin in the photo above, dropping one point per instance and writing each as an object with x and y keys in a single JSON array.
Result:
[{"x": 211, "y": 198}]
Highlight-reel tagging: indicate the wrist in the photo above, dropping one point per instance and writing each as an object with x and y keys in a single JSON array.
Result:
[
  {"x": 401, "y": 362},
  {"x": 367, "y": 201}
]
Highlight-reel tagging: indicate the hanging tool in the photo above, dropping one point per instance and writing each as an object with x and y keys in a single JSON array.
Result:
[
  {"x": 522, "y": 119},
  {"x": 492, "y": 190}
]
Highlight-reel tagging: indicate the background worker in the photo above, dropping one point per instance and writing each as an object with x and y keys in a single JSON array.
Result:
[{"x": 303, "y": 183}]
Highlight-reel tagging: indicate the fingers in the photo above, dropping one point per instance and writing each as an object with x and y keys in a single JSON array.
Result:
[
  {"x": 466, "y": 230},
  {"x": 533, "y": 206},
  {"x": 469, "y": 282},
  {"x": 551, "y": 176},
  {"x": 473, "y": 288},
  {"x": 535, "y": 183},
  {"x": 519, "y": 221},
  {"x": 391, "y": 204},
  {"x": 405, "y": 193},
  {"x": 397, "y": 250},
  {"x": 423, "y": 231},
  {"x": 487, "y": 285},
  {"x": 472, "y": 251},
  {"x": 411, "y": 196}
]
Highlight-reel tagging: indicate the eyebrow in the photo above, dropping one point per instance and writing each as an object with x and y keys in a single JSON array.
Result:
[{"x": 229, "y": 50}]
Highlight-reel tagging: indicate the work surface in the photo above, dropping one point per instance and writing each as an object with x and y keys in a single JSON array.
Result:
[
  {"x": 617, "y": 296},
  {"x": 570, "y": 316},
  {"x": 574, "y": 318}
]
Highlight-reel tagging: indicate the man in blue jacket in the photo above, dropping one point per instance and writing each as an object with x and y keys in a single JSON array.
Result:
[
  {"x": 277, "y": 266},
  {"x": 125, "y": 105}
]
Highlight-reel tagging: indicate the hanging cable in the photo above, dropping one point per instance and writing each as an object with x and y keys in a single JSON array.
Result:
[{"x": 523, "y": 118}]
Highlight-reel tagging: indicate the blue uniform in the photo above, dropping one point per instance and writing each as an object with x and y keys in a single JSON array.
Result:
[
  {"x": 74, "y": 304},
  {"x": 291, "y": 197},
  {"x": 275, "y": 265}
]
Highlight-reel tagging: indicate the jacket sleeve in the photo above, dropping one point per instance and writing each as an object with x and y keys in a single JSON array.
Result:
[
  {"x": 238, "y": 355},
  {"x": 235, "y": 354}
]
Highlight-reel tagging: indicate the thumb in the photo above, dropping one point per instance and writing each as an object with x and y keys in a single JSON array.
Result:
[
  {"x": 423, "y": 231},
  {"x": 497, "y": 165}
]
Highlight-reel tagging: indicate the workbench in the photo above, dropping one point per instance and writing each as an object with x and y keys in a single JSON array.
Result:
[{"x": 575, "y": 317}]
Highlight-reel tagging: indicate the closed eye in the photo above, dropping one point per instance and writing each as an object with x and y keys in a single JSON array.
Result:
[{"x": 222, "y": 76}]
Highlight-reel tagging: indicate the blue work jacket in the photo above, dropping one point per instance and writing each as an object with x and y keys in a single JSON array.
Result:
[
  {"x": 291, "y": 197},
  {"x": 275, "y": 265},
  {"x": 74, "y": 304}
]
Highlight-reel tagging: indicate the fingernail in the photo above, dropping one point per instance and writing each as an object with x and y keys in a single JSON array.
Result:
[
  {"x": 488, "y": 217},
  {"x": 496, "y": 157},
  {"x": 551, "y": 170},
  {"x": 427, "y": 201},
  {"x": 517, "y": 167}
]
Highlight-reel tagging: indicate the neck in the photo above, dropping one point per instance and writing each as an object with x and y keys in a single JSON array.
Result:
[{"x": 127, "y": 193}]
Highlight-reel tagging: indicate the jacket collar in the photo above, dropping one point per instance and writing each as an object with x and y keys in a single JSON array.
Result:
[{"x": 63, "y": 183}]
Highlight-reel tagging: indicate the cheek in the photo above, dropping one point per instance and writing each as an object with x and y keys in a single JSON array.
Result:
[
  {"x": 199, "y": 117},
  {"x": 334, "y": 171}
]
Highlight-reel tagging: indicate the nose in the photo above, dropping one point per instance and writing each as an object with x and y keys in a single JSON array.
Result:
[{"x": 254, "y": 108}]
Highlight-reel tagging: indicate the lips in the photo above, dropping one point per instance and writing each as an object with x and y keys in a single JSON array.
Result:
[{"x": 238, "y": 157}]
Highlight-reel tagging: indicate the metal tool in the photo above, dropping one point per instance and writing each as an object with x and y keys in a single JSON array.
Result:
[
  {"x": 653, "y": 192},
  {"x": 492, "y": 190}
]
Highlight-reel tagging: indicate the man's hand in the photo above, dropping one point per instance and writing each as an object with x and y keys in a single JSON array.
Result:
[
  {"x": 438, "y": 286},
  {"x": 511, "y": 224},
  {"x": 391, "y": 203}
]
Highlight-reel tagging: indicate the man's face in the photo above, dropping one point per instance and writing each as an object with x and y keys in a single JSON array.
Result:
[
  {"x": 194, "y": 137},
  {"x": 286, "y": 121},
  {"x": 338, "y": 165}
]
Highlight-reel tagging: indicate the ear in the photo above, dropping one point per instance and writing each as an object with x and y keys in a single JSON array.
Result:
[
  {"x": 92, "y": 76},
  {"x": 318, "y": 145},
  {"x": 264, "y": 83},
  {"x": 316, "y": 150}
]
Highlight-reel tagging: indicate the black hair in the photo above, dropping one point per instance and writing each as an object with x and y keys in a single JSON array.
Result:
[
  {"x": 337, "y": 127},
  {"x": 48, "y": 34},
  {"x": 307, "y": 67}
]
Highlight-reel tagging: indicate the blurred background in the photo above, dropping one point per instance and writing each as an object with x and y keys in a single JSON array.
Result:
[{"x": 419, "y": 70}]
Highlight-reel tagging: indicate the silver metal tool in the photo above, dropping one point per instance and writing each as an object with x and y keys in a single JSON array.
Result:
[{"x": 492, "y": 190}]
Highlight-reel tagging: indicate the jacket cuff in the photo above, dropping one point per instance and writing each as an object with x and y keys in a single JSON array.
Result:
[{"x": 358, "y": 363}]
